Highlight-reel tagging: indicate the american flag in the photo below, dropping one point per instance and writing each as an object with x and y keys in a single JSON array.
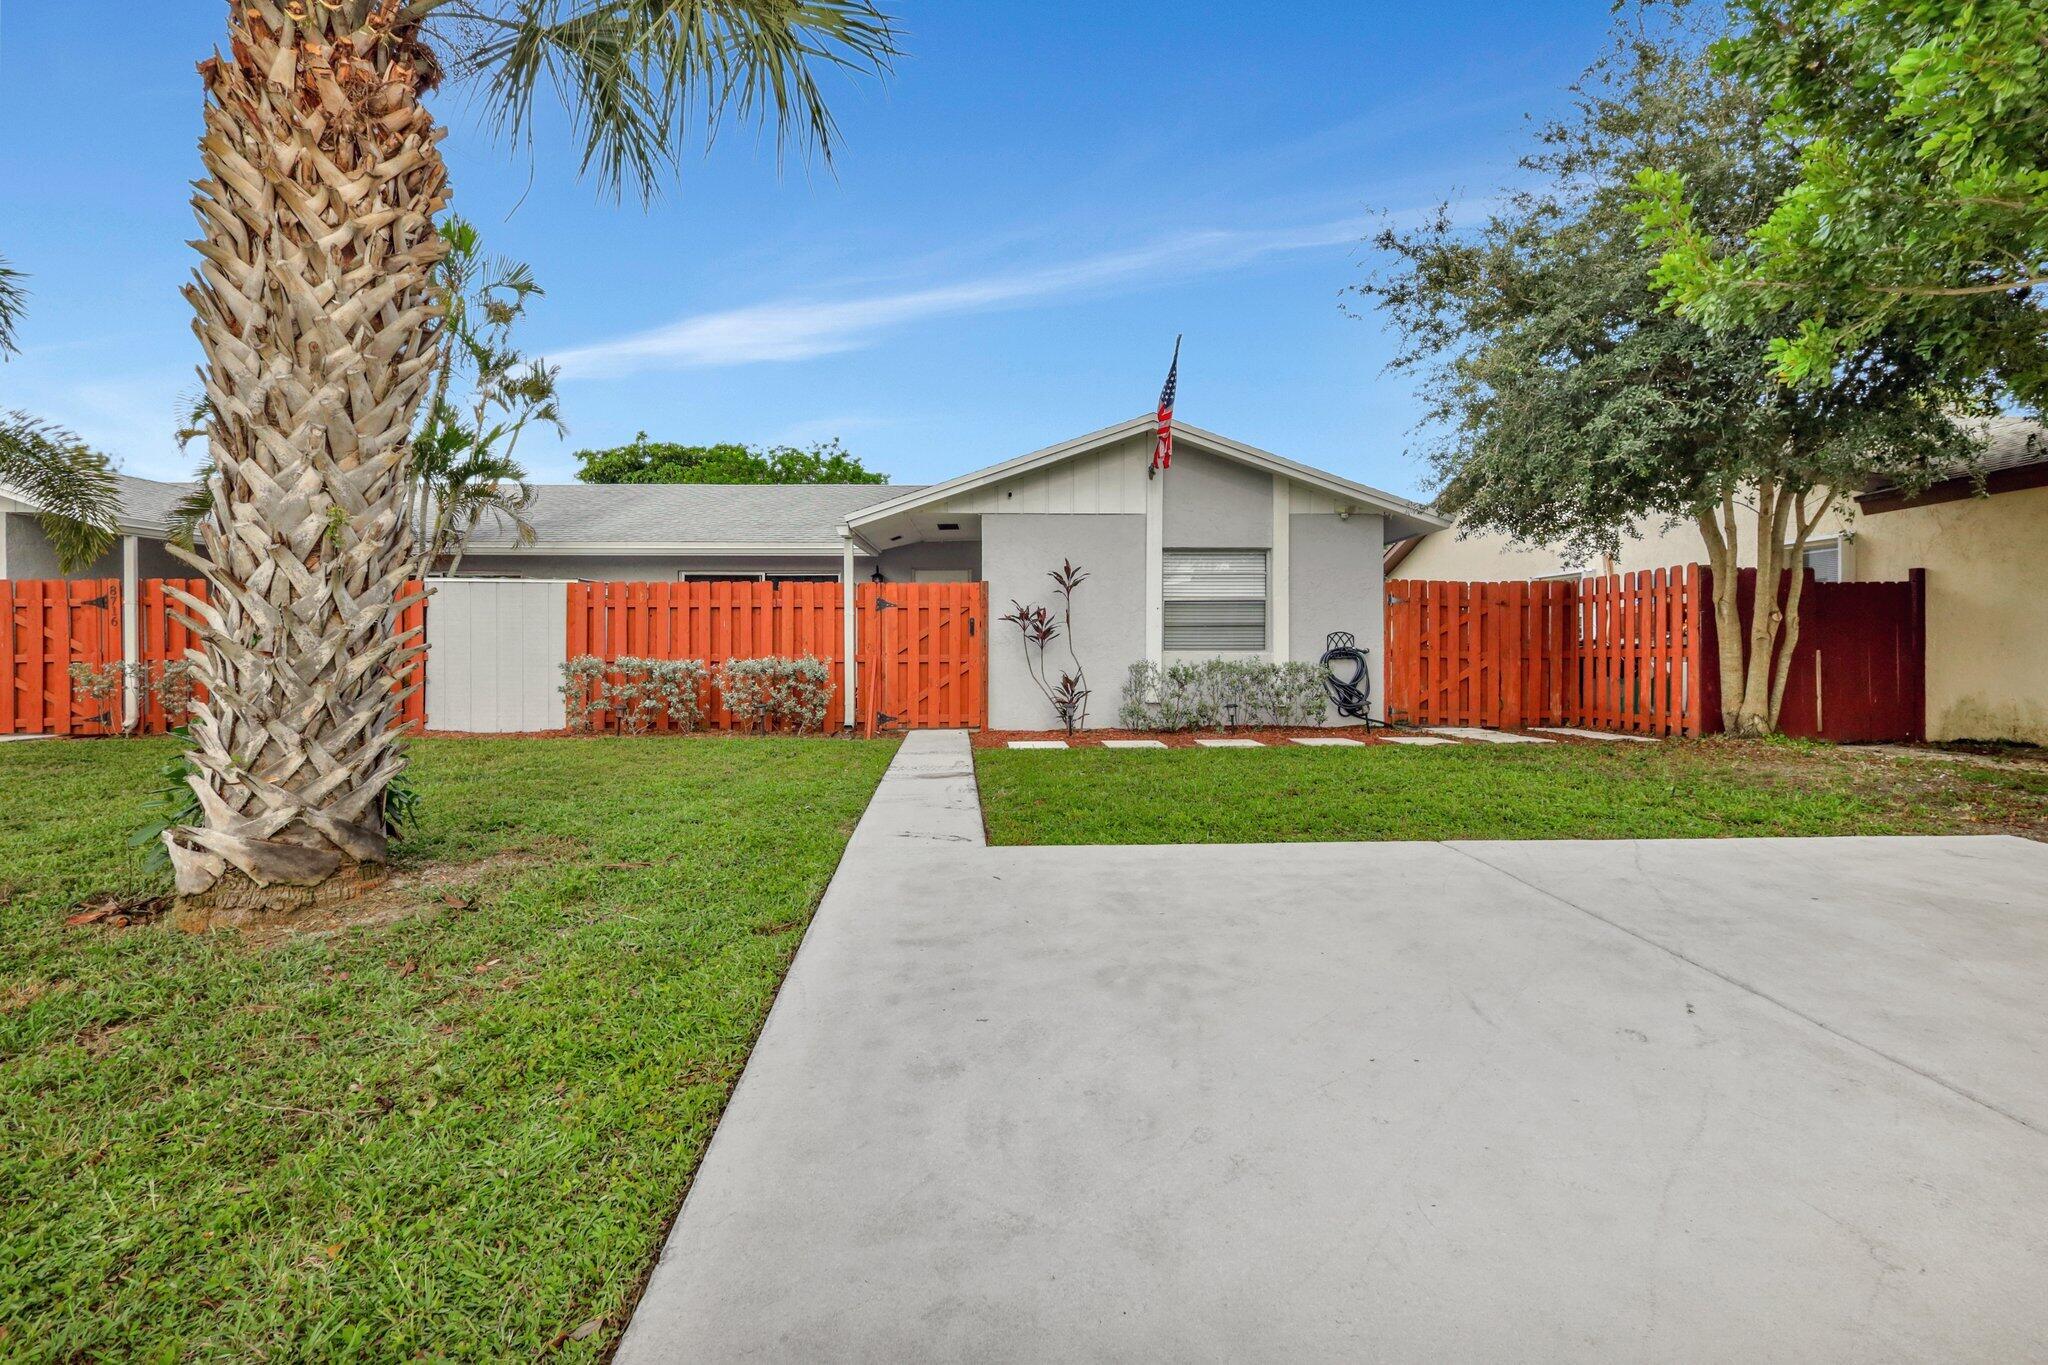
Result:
[{"x": 1162, "y": 449}]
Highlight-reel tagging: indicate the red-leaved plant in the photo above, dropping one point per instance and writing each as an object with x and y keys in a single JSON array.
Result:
[{"x": 1069, "y": 695}]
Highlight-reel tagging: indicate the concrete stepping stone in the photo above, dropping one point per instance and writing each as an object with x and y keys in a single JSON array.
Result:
[
  {"x": 1230, "y": 744},
  {"x": 1331, "y": 743},
  {"x": 1576, "y": 733},
  {"x": 1473, "y": 732},
  {"x": 1038, "y": 744},
  {"x": 1417, "y": 739},
  {"x": 1134, "y": 744}
]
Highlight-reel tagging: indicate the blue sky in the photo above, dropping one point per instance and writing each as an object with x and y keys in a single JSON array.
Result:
[{"x": 1018, "y": 222}]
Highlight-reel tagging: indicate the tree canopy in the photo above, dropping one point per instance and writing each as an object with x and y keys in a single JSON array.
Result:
[
  {"x": 646, "y": 461},
  {"x": 13, "y": 299},
  {"x": 1567, "y": 403},
  {"x": 1918, "y": 206}
]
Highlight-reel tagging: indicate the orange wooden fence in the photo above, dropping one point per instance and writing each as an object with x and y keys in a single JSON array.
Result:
[
  {"x": 923, "y": 656},
  {"x": 1624, "y": 653},
  {"x": 711, "y": 622},
  {"x": 46, "y": 625},
  {"x": 921, "y": 653}
]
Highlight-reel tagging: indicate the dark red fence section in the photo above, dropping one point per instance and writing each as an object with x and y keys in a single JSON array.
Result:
[{"x": 1859, "y": 670}]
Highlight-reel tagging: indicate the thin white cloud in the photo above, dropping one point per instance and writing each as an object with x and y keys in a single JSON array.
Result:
[{"x": 799, "y": 329}]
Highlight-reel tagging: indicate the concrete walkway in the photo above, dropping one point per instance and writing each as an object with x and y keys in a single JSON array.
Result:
[{"x": 1542, "y": 1101}]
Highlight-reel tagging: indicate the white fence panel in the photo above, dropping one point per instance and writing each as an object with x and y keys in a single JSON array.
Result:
[{"x": 498, "y": 645}]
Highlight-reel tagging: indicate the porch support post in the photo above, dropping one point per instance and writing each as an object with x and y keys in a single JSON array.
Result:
[
  {"x": 131, "y": 631},
  {"x": 1282, "y": 572},
  {"x": 1155, "y": 567},
  {"x": 849, "y": 626}
]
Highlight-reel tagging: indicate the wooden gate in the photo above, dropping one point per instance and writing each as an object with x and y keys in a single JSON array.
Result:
[
  {"x": 923, "y": 656},
  {"x": 47, "y": 625},
  {"x": 1858, "y": 673}
]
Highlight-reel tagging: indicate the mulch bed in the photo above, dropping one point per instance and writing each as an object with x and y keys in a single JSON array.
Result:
[
  {"x": 1270, "y": 735},
  {"x": 1180, "y": 739}
]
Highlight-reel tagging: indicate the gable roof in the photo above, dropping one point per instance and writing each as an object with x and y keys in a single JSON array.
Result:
[
  {"x": 1334, "y": 484},
  {"x": 574, "y": 518},
  {"x": 673, "y": 516},
  {"x": 145, "y": 504}
]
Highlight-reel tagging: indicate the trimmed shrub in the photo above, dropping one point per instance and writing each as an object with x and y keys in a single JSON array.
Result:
[
  {"x": 639, "y": 693},
  {"x": 1198, "y": 695},
  {"x": 777, "y": 693}
]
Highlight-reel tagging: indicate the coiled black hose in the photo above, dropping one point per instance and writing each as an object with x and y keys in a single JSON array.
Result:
[{"x": 1351, "y": 696}]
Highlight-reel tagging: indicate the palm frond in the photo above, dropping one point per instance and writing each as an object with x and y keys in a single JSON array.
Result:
[
  {"x": 195, "y": 411},
  {"x": 13, "y": 302},
  {"x": 70, "y": 483},
  {"x": 633, "y": 72}
]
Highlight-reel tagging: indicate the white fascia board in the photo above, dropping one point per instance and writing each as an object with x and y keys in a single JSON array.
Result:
[
  {"x": 15, "y": 501},
  {"x": 556, "y": 547},
  {"x": 994, "y": 473},
  {"x": 1368, "y": 498},
  {"x": 1334, "y": 484}
]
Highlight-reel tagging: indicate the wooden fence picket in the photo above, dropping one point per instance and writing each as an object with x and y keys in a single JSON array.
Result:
[{"x": 1617, "y": 652}]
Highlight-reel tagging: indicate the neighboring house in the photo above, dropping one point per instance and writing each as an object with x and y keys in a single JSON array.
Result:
[
  {"x": 146, "y": 506},
  {"x": 1982, "y": 537},
  {"x": 1232, "y": 552}
]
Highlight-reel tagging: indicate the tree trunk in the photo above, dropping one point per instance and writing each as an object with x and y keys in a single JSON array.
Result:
[
  {"x": 1796, "y": 556},
  {"x": 314, "y": 310},
  {"x": 1753, "y": 670},
  {"x": 1727, "y": 575}
]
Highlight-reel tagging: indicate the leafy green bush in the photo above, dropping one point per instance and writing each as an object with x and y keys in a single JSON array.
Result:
[
  {"x": 1198, "y": 695},
  {"x": 638, "y": 694},
  {"x": 777, "y": 693}
]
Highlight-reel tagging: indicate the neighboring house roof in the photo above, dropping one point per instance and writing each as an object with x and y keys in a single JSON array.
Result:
[
  {"x": 2015, "y": 457},
  {"x": 147, "y": 504},
  {"x": 572, "y": 517},
  {"x": 1422, "y": 518}
]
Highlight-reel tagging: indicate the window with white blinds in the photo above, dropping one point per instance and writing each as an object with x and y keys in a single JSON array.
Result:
[
  {"x": 1215, "y": 599},
  {"x": 1825, "y": 559}
]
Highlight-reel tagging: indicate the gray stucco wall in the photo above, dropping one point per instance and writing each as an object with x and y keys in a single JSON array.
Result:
[
  {"x": 30, "y": 555},
  {"x": 900, "y": 564},
  {"x": 1017, "y": 551},
  {"x": 1214, "y": 504},
  {"x": 1336, "y": 583}
]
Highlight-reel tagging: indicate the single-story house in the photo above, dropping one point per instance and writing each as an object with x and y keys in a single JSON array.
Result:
[
  {"x": 1982, "y": 536},
  {"x": 1232, "y": 552}
]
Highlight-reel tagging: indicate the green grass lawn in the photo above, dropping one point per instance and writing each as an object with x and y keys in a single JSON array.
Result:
[
  {"x": 460, "y": 1134},
  {"x": 1561, "y": 791}
]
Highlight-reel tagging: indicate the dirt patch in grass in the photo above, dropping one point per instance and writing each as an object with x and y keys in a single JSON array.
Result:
[{"x": 430, "y": 888}]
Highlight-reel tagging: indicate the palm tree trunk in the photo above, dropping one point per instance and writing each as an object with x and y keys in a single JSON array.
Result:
[{"x": 317, "y": 219}]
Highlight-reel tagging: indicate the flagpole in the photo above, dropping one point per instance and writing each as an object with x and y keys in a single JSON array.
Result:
[{"x": 1162, "y": 440}]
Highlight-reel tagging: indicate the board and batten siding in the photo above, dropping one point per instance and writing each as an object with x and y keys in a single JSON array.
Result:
[
  {"x": 1108, "y": 481},
  {"x": 497, "y": 649}
]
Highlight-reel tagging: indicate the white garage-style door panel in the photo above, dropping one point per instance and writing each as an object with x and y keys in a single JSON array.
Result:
[{"x": 496, "y": 653}]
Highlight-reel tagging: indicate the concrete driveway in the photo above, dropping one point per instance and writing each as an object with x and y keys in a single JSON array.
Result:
[{"x": 1781, "y": 1099}]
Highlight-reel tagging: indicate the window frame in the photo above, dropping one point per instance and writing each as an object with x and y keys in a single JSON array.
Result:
[{"x": 1169, "y": 601}]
